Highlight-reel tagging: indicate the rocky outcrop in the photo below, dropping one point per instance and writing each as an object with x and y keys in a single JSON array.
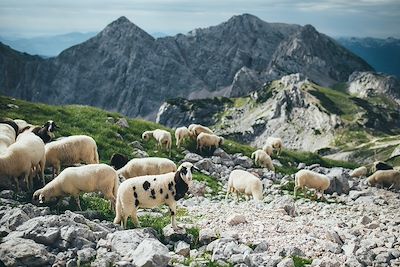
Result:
[{"x": 125, "y": 69}]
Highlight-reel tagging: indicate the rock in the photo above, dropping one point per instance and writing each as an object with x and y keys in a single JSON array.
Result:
[
  {"x": 123, "y": 123},
  {"x": 325, "y": 262},
  {"x": 396, "y": 152},
  {"x": 262, "y": 247},
  {"x": 354, "y": 194},
  {"x": 86, "y": 255},
  {"x": 192, "y": 157},
  {"x": 243, "y": 161},
  {"x": 365, "y": 220},
  {"x": 219, "y": 152},
  {"x": 151, "y": 252},
  {"x": 182, "y": 248},
  {"x": 206, "y": 164},
  {"x": 349, "y": 249},
  {"x": 137, "y": 153},
  {"x": 284, "y": 202},
  {"x": 301, "y": 166},
  {"x": 333, "y": 236},
  {"x": 13, "y": 218},
  {"x": 24, "y": 252},
  {"x": 288, "y": 262},
  {"x": 8, "y": 194},
  {"x": 198, "y": 188},
  {"x": 171, "y": 235},
  {"x": 136, "y": 144},
  {"x": 206, "y": 236},
  {"x": 236, "y": 219},
  {"x": 339, "y": 181},
  {"x": 12, "y": 106}
]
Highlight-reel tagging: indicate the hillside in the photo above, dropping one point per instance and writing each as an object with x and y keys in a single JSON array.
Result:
[{"x": 125, "y": 69}]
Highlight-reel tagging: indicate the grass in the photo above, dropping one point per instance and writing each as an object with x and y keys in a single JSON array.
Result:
[{"x": 301, "y": 262}]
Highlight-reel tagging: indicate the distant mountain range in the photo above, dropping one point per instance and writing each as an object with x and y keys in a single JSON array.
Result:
[{"x": 125, "y": 69}]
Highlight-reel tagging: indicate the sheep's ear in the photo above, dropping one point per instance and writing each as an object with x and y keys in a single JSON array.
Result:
[{"x": 195, "y": 168}]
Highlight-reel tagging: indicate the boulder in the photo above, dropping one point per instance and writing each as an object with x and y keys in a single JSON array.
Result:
[{"x": 151, "y": 252}]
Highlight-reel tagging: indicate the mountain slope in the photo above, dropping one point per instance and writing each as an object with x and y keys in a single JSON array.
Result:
[{"x": 125, "y": 69}]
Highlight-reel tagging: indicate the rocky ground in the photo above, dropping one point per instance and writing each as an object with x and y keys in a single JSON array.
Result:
[{"x": 357, "y": 225}]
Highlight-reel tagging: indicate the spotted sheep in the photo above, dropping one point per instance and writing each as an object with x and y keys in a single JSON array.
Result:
[{"x": 151, "y": 191}]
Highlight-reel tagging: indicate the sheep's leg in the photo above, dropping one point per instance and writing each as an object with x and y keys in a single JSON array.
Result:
[
  {"x": 134, "y": 217},
  {"x": 16, "y": 183},
  {"x": 78, "y": 202},
  {"x": 227, "y": 193},
  {"x": 237, "y": 196},
  {"x": 295, "y": 191},
  {"x": 42, "y": 165},
  {"x": 172, "y": 209}
]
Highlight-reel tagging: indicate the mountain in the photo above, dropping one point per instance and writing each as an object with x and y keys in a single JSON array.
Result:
[
  {"x": 125, "y": 69},
  {"x": 305, "y": 115},
  {"x": 48, "y": 46},
  {"x": 382, "y": 54}
]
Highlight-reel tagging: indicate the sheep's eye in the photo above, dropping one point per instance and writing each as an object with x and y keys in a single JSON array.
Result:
[{"x": 184, "y": 170}]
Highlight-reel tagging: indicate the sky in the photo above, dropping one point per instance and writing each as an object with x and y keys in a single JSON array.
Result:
[{"x": 359, "y": 18}]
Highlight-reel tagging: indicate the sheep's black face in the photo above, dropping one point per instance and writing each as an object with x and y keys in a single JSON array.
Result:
[
  {"x": 185, "y": 172},
  {"x": 50, "y": 126}
]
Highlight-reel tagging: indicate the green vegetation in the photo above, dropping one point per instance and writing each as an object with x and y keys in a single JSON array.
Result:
[
  {"x": 301, "y": 262},
  {"x": 210, "y": 181}
]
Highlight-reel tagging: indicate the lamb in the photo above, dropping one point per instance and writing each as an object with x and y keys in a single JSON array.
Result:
[
  {"x": 386, "y": 178},
  {"x": 21, "y": 157},
  {"x": 198, "y": 129},
  {"x": 74, "y": 180},
  {"x": 359, "y": 172},
  {"x": 311, "y": 179},
  {"x": 146, "y": 166},
  {"x": 263, "y": 159},
  {"x": 268, "y": 149},
  {"x": 118, "y": 161},
  {"x": 163, "y": 138},
  {"x": 244, "y": 182},
  {"x": 276, "y": 143},
  {"x": 180, "y": 134},
  {"x": 209, "y": 140},
  {"x": 71, "y": 150},
  {"x": 151, "y": 191}
]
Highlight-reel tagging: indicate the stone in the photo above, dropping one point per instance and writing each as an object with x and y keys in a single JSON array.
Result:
[
  {"x": 262, "y": 247},
  {"x": 301, "y": 166},
  {"x": 350, "y": 248},
  {"x": 124, "y": 242},
  {"x": 151, "y": 252},
  {"x": 339, "y": 181},
  {"x": 172, "y": 235},
  {"x": 182, "y": 248},
  {"x": 365, "y": 220},
  {"x": 192, "y": 157},
  {"x": 8, "y": 194},
  {"x": 198, "y": 188},
  {"x": 333, "y": 236},
  {"x": 137, "y": 153},
  {"x": 288, "y": 262},
  {"x": 86, "y": 255},
  {"x": 123, "y": 123},
  {"x": 219, "y": 152},
  {"x": 236, "y": 219},
  {"x": 206, "y": 164},
  {"x": 284, "y": 202},
  {"x": 243, "y": 161},
  {"x": 325, "y": 262},
  {"x": 136, "y": 144},
  {"x": 24, "y": 252},
  {"x": 206, "y": 236}
]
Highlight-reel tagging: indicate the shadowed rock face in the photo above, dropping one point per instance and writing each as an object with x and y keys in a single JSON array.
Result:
[{"x": 125, "y": 69}]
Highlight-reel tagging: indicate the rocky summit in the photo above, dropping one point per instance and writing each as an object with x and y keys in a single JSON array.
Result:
[{"x": 125, "y": 69}]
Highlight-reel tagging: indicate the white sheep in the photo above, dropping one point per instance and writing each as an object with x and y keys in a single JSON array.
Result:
[
  {"x": 21, "y": 157},
  {"x": 386, "y": 178},
  {"x": 151, "y": 191},
  {"x": 74, "y": 180},
  {"x": 162, "y": 137},
  {"x": 180, "y": 134},
  {"x": 311, "y": 179},
  {"x": 263, "y": 159},
  {"x": 7, "y": 136},
  {"x": 197, "y": 129},
  {"x": 268, "y": 149},
  {"x": 246, "y": 183},
  {"x": 22, "y": 125},
  {"x": 209, "y": 140},
  {"x": 359, "y": 172},
  {"x": 146, "y": 166},
  {"x": 71, "y": 150},
  {"x": 276, "y": 143}
]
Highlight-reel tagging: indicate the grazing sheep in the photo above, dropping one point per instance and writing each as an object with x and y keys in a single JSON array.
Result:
[
  {"x": 311, "y": 179},
  {"x": 118, "y": 161},
  {"x": 180, "y": 134},
  {"x": 146, "y": 166},
  {"x": 198, "y": 129},
  {"x": 21, "y": 157},
  {"x": 263, "y": 159},
  {"x": 163, "y": 138},
  {"x": 151, "y": 191},
  {"x": 268, "y": 149},
  {"x": 246, "y": 183},
  {"x": 359, "y": 172},
  {"x": 7, "y": 136},
  {"x": 380, "y": 166},
  {"x": 74, "y": 180},
  {"x": 386, "y": 178},
  {"x": 71, "y": 150},
  {"x": 209, "y": 140},
  {"x": 276, "y": 143}
]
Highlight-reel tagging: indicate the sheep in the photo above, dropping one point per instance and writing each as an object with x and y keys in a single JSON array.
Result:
[
  {"x": 151, "y": 191},
  {"x": 45, "y": 132},
  {"x": 118, "y": 161},
  {"x": 197, "y": 129},
  {"x": 21, "y": 157},
  {"x": 180, "y": 134},
  {"x": 386, "y": 178},
  {"x": 209, "y": 140},
  {"x": 359, "y": 172},
  {"x": 146, "y": 166},
  {"x": 71, "y": 150},
  {"x": 244, "y": 182},
  {"x": 276, "y": 143},
  {"x": 268, "y": 149},
  {"x": 163, "y": 138},
  {"x": 7, "y": 136},
  {"x": 380, "y": 166},
  {"x": 263, "y": 159},
  {"x": 22, "y": 125},
  {"x": 311, "y": 179},
  {"x": 74, "y": 180},
  {"x": 11, "y": 123}
]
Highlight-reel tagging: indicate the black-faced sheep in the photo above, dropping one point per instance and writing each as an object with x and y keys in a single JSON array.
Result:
[
  {"x": 311, "y": 179},
  {"x": 380, "y": 166},
  {"x": 71, "y": 150},
  {"x": 75, "y": 180},
  {"x": 386, "y": 178},
  {"x": 118, "y": 161},
  {"x": 246, "y": 183},
  {"x": 151, "y": 191},
  {"x": 146, "y": 166},
  {"x": 209, "y": 140}
]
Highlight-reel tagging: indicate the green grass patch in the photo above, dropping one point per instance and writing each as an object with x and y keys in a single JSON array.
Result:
[
  {"x": 301, "y": 262},
  {"x": 210, "y": 181}
]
